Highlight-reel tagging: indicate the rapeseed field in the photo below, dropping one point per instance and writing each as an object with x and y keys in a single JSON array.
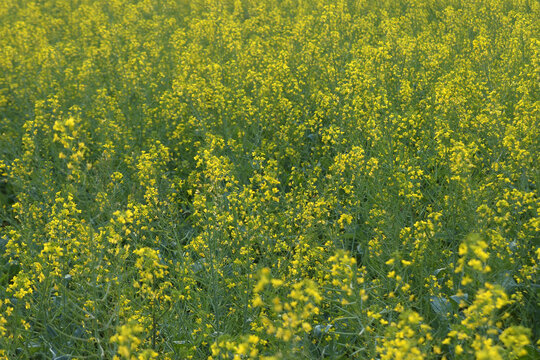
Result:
[{"x": 269, "y": 179}]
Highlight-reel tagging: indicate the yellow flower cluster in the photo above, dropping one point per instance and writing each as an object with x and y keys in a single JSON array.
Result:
[
  {"x": 294, "y": 313},
  {"x": 151, "y": 272},
  {"x": 128, "y": 343},
  {"x": 406, "y": 339},
  {"x": 482, "y": 322},
  {"x": 473, "y": 254}
]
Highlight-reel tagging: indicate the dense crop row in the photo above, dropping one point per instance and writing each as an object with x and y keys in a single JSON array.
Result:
[{"x": 277, "y": 179}]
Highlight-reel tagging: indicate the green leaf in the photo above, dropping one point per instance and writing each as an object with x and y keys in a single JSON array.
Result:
[{"x": 441, "y": 306}]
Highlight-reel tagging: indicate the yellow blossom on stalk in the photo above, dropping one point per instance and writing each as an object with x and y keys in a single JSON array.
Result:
[
  {"x": 406, "y": 338},
  {"x": 473, "y": 254},
  {"x": 515, "y": 339},
  {"x": 151, "y": 272},
  {"x": 128, "y": 342}
]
